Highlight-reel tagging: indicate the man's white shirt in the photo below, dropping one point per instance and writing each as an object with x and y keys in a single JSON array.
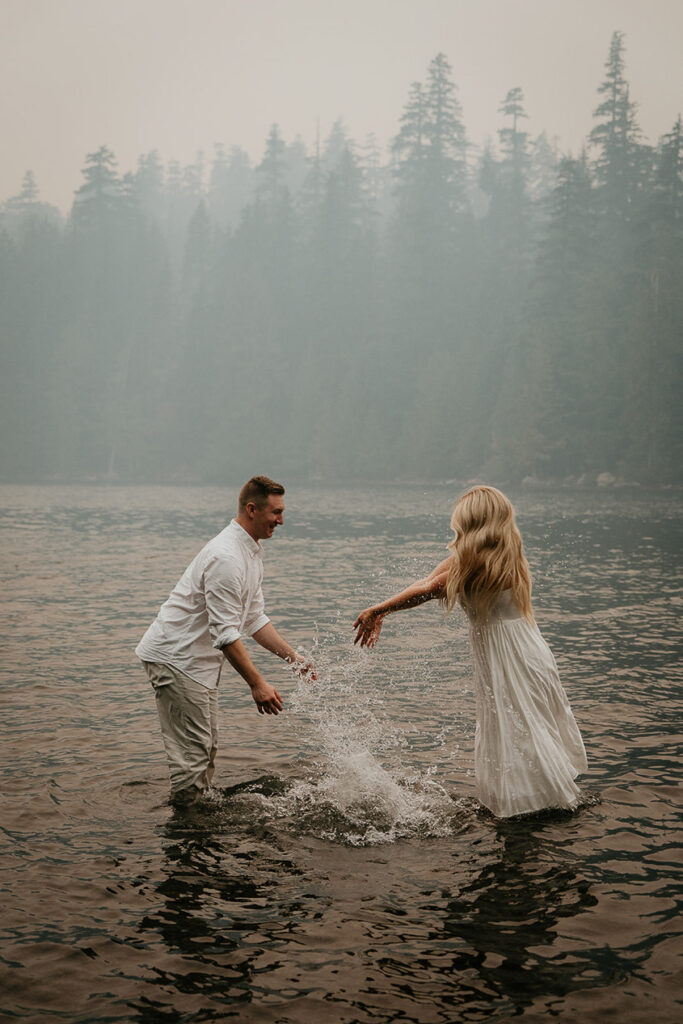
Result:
[{"x": 217, "y": 599}]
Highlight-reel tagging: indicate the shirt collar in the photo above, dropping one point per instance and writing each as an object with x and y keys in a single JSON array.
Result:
[{"x": 253, "y": 546}]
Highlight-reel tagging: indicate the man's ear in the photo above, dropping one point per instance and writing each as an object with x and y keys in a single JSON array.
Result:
[{"x": 250, "y": 509}]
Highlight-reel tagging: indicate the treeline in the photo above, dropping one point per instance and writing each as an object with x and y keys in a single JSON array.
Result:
[{"x": 446, "y": 313}]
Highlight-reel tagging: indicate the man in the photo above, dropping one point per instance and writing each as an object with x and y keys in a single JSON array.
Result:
[{"x": 217, "y": 601}]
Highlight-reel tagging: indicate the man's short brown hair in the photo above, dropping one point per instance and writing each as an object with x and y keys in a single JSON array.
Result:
[{"x": 257, "y": 490}]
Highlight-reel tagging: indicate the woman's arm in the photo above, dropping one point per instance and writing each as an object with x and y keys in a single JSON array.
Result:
[
  {"x": 442, "y": 567},
  {"x": 369, "y": 622}
]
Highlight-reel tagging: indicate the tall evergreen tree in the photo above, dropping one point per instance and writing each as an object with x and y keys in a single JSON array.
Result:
[
  {"x": 655, "y": 326},
  {"x": 621, "y": 169},
  {"x": 511, "y": 199},
  {"x": 447, "y": 153},
  {"x": 430, "y": 149},
  {"x": 149, "y": 186},
  {"x": 565, "y": 422},
  {"x": 310, "y": 197},
  {"x": 272, "y": 189},
  {"x": 22, "y": 210},
  {"x": 97, "y": 201},
  {"x": 28, "y": 196},
  {"x": 409, "y": 147},
  {"x": 543, "y": 166},
  {"x": 429, "y": 155},
  {"x": 668, "y": 181},
  {"x": 296, "y": 165},
  {"x": 335, "y": 144},
  {"x": 620, "y": 157},
  {"x": 506, "y": 233},
  {"x": 231, "y": 185}
]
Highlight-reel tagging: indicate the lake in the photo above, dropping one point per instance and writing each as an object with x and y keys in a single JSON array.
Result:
[{"x": 341, "y": 869}]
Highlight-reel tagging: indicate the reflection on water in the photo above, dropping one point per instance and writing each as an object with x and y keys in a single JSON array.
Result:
[
  {"x": 509, "y": 917},
  {"x": 341, "y": 869}
]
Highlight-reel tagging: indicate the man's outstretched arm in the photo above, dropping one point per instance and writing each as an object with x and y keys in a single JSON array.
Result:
[
  {"x": 267, "y": 636},
  {"x": 266, "y": 697}
]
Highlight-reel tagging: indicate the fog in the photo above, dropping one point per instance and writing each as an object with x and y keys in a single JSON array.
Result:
[
  {"x": 179, "y": 77},
  {"x": 395, "y": 264}
]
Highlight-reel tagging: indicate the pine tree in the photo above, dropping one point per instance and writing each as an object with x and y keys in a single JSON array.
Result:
[
  {"x": 98, "y": 200},
  {"x": 409, "y": 147},
  {"x": 447, "y": 153},
  {"x": 310, "y": 198},
  {"x": 567, "y": 246},
  {"x": 335, "y": 144},
  {"x": 28, "y": 196},
  {"x": 296, "y": 165},
  {"x": 543, "y": 167},
  {"x": 117, "y": 268},
  {"x": 430, "y": 150},
  {"x": 373, "y": 172},
  {"x": 23, "y": 212},
  {"x": 621, "y": 159},
  {"x": 668, "y": 180},
  {"x": 622, "y": 168},
  {"x": 511, "y": 200},
  {"x": 231, "y": 185},
  {"x": 557, "y": 344},
  {"x": 272, "y": 188},
  {"x": 193, "y": 179},
  {"x": 149, "y": 186},
  {"x": 347, "y": 221},
  {"x": 432, "y": 249},
  {"x": 655, "y": 326},
  {"x": 430, "y": 167},
  {"x": 513, "y": 141}
]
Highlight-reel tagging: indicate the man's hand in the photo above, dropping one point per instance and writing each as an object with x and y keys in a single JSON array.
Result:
[
  {"x": 304, "y": 668},
  {"x": 267, "y": 699},
  {"x": 369, "y": 625}
]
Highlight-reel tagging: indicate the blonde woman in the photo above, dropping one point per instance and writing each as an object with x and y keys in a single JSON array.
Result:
[{"x": 528, "y": 748}]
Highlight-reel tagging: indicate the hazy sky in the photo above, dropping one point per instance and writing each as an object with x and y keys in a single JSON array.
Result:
[{"x": 180, "y": 75}]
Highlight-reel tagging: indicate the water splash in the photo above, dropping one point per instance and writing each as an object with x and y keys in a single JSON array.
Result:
[{"x": 359, "y": 791}]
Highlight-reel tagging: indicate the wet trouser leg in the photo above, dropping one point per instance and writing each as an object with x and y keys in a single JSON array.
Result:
[{"x": 188, "y": 714}]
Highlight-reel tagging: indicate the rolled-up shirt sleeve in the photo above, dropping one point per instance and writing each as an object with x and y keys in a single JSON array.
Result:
[
  {"x": 234, "y": 601},
  {"x": 223, "y": 586}
]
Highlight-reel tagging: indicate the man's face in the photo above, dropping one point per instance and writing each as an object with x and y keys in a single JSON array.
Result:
[{"x": 267, "y": 518}]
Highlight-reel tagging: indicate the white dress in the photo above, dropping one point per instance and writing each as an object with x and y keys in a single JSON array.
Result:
[{"x": 527, "y": 749}]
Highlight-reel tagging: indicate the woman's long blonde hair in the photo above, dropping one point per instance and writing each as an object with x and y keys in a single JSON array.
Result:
[{"x": 488, "y": 557}]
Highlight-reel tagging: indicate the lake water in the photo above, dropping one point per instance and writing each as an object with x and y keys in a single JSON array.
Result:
[{"x": 341, "y": 869}]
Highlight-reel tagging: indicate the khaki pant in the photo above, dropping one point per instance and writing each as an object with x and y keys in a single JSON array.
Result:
[{"x": 188, "y": 713}]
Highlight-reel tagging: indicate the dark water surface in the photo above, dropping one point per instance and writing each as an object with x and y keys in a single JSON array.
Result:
[{"x": 341, "y": 870}]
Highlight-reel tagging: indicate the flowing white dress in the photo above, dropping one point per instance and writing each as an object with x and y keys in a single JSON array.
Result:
[{"x": 527, "y": 749}]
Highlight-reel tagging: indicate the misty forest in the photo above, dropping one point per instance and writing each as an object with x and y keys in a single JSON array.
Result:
[{"x": 439, "y": 312}]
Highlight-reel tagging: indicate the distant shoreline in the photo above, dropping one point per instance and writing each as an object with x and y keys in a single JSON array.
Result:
[{"x": 528, "y": 484}]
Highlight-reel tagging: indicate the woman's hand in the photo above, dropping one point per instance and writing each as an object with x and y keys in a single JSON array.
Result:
[{"x": 369, "y": 624}]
